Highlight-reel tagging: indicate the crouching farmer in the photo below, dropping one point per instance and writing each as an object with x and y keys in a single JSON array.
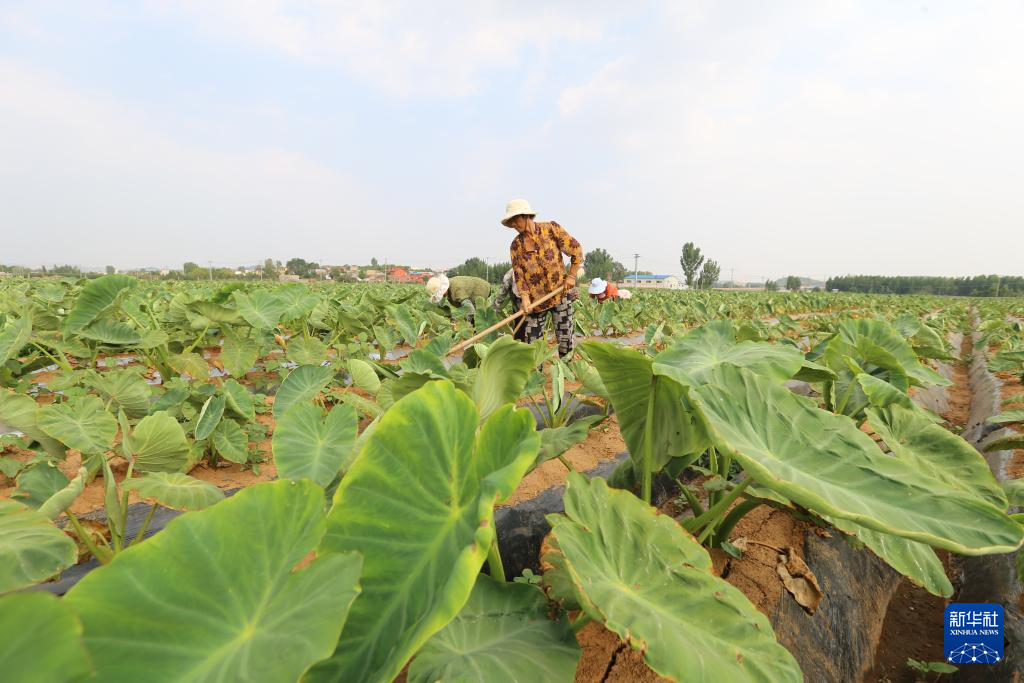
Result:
[
  {"x": 536, "y": 254},
  {"x": 460, "y": 290},
  {"x": 602, "y": 290}
]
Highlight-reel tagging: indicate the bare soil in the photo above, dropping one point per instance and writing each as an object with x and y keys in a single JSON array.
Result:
[
  {"x": 1012, "y": 388},
  {"x": 602, "y": 444}
]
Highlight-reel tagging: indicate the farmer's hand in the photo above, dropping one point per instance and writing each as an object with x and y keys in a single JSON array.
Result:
[
  {"x": 570, "y": 282},
  {"x": 527, "y": 306}
]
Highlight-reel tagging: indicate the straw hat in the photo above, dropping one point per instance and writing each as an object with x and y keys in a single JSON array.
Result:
[
  {"x": 517, "y": 207},
  {"x": 597, "y": 286},
  {"x": 437, "y": 287}
]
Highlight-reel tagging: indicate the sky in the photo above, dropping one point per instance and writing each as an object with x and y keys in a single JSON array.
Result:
[{"x": 813, "y": 138}]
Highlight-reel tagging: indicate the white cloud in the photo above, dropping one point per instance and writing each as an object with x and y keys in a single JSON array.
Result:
[
  {"x": 892, "y": 146},
  {"x": 402, "y": 47},
  {"x": 79, "y": 163}
]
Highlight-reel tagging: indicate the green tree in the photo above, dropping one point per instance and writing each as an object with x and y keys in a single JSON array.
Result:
[
  {"x": 268, "y": 266},
  {"x": 793, "y": 283},
  {"x": 474, "y": 266},
  {"x": 691, "y": 261},
  {"x": 771, "y": 286},
  {"x": 110, "y": 270},
  {"x": 599, "y": 263},
  {"x": 708, "y": 275},
  {"x": 301, "y": 267},
  {"x": 374, "y": 263}
]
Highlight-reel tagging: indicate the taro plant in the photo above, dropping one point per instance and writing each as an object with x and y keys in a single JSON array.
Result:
[{"x": 710, "y": 392}]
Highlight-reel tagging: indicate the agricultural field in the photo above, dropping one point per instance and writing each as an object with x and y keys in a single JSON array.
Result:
[{"x": 213, "y": 481}]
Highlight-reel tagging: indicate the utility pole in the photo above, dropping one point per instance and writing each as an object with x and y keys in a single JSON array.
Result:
[
  {"x": 732, "y": 276},
  {"x": 487, "y": 270},
  {"x": 636, "y": 277},
  {"x": 385, "y": 270},
  {"x": 211, "y": 270}
]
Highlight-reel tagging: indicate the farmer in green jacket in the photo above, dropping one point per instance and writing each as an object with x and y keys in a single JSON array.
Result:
[{"x": 460, "y": 290}]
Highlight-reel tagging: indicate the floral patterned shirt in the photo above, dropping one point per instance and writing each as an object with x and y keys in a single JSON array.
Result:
[{"x": 537, "y": 261}]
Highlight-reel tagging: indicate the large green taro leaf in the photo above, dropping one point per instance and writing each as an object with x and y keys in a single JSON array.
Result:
[
  {"x": 14, "y": 336},
  {"x": 418, "y": 503},
  {"x": 239, "y": 354},
  {"x": 31, "y": 547},
  {"x": 175, "y": 490},
  {"x": 210, "y": 416},
  {"x": 126, "y": 388},
  {"x": 363, "y": 376},
  {"x": 62, "y": 500},
  {"x": 629, "y": 380},
  {"x": 215, "y": 313},
  {"x": 881, "y": 394},
  {"x": 82, "y": 423},
  {"x": 111, "y": 332},
  {"x": 231, "y": 442},
  {"x": 20, "y": 412},
  {"x": 700, "y": 351},
  {"x": 306, "y": 351},
  {"x": 651, "y": 583},
  {"x": 260, "y": 308},
  {"x": 502, "y": 375},
  {"x": 96, "y": 297},
  {"x": 823, "y": 462},
  {"x": 214, "y": 596},
  {"x": 38, "y": 483},
  {"x": 863, "y": 337},
  {"x": 238, "y": 400},
  {"x": 936, "y": 452},
  {"x": 191, "y": 364},
  {"x": 307, "y": 444},
  {"x": 41, "y": 640},
  {"x": 301, "y": 384},
  {"x": 158, "y": 444},
  {"x": 502, "y": 635}
]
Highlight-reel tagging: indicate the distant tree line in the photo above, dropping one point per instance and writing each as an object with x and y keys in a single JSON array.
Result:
[
  {"x": 477, "y": 267},
  {"x": 977, "y": 285}
]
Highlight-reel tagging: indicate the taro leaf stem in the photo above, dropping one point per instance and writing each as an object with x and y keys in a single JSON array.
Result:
[
  {"x": 713, "y": 496},
  {"x": 566, "y": 462},
  {"x": 581, "y": 620},
  {"x": 716, "y": 510},
  {"x": 145, "y": 525},
  {"x": 494, "y": 564},
  {"x": 691, "y": 499},
  {"x": 102, "y": 554},
  {"x": 731, "y": 519},
  {"x": 648, "y": 454}
]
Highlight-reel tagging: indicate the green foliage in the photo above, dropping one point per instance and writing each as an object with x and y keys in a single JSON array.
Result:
[
  {"x": 41, "y": 640},
  {"x": 691, "y": 261},
  {"x": 708, "y": 275},
  {"x": 147, "y": 615},
  {"x": 599, "y": 263}
]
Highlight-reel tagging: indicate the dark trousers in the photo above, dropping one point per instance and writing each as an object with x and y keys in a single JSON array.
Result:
[{"x": 561, "y": 317}]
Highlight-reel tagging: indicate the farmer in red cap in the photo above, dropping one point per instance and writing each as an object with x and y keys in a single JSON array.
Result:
[{"x": 539, "y": 270}]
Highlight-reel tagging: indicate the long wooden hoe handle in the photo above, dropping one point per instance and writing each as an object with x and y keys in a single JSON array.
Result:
[{"x": 501, "y": 323}]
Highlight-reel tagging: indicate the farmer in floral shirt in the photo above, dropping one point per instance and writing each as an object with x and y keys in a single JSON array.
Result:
[{"x": 539, "y": 270}]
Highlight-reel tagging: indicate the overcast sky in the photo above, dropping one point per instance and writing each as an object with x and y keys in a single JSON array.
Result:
[{"x": 815, "y": 138}]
